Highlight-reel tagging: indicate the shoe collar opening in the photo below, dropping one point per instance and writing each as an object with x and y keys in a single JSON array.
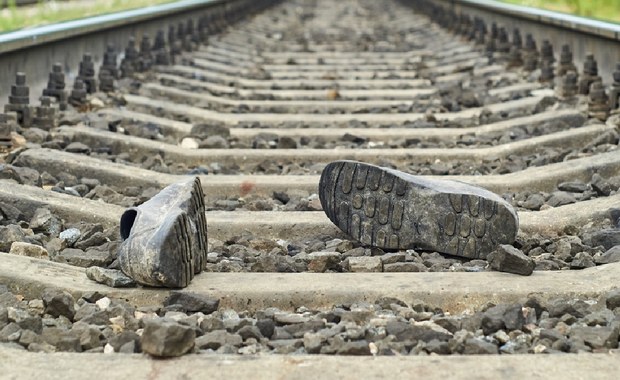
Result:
[{"x": 127, "y": 220}]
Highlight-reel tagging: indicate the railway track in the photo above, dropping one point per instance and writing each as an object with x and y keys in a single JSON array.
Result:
[{"x": 257, "y": 110}]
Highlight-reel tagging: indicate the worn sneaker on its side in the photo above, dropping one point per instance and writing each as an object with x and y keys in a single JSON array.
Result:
[
  {"x": 390, "y": 209},
  {"x": 165, "y": 239}
]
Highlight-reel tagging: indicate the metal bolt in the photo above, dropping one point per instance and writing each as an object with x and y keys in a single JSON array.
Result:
[
  {"x": 546, "y": 52},
  {"x": 86, "y": 73},
  {"x": 503, "y": 45},
  {"x": 162, "y": 55},
  {"x": 45, "y": 115},
  {"x": 78, "y": 94},
  {"x": 19, "y": 101},
  {"x": 590, "y": 74},
  {"x": 145, "y": 58},
  {"x": 516, "y": 38},
  {"x": 568, "y": 86},
  {"x": 566, "y": 61},
  {"x": 598, "y": 102},
  {"x": 56, "y": 86},
  {"x": 128, "y": 64},
  {"x": 614, "y": 92}
]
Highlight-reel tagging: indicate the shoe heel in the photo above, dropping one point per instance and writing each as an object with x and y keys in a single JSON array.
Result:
[
  {"x": 197, "y": 212},
  {"x": 369, "y": 204},
  {"x": 187, "y": 251}
]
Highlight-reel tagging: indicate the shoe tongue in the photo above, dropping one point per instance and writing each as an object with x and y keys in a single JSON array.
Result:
[{"x": 127, "y": 220}]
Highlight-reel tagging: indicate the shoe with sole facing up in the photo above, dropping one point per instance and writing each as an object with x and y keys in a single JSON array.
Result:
[
  {"x": 165, "y": 238},
  {"x": 390, "y": 209}
]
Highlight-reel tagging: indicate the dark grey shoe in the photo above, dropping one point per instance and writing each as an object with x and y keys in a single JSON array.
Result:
[
  {"x": 390, "y": 209},
  {"x": 165, "y": 239}
]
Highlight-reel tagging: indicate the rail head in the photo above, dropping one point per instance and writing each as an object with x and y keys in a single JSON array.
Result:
[
  {"x": 25, "y": 38},
  {"x": 561, "y": 20}
]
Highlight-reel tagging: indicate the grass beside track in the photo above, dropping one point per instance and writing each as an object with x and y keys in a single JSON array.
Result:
[
  {"x": 608, "y": 10},
  {"x": 49, "y": 12}
]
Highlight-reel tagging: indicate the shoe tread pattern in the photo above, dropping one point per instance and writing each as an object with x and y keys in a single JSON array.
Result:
[
  {"x": 197, "y": 211},
  {"x": 184, "y": 248},
  {"x": 174, "y": 267},
  {"x": 370, "y": 203},
  {"x": 471, "y": 226}
]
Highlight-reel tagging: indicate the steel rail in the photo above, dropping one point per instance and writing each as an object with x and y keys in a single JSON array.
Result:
[
  {"x": 34, "y": 51},
  {"x": 563, "y": 20},
  {"x": 25, "y": 38},
  {"x": 583, "y": 35}
]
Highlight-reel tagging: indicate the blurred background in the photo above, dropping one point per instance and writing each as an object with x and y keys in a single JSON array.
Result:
[
  {"x": 20, "y": 14},
  {"x": 608, "y": 10}
]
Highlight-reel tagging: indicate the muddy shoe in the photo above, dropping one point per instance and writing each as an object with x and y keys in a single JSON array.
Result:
[
  {"x": 390, "y": 209},
  {"x": 165, "y": 239}
]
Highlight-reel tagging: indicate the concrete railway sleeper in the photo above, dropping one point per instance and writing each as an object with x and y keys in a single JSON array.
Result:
[
  {"x": 177, "y": 79},
  {"x": 137, "y": 148},
  {"x": 264, "y": 135},
  {"x": 545, "y": 121},
  {"x": 327, "y": 82}
]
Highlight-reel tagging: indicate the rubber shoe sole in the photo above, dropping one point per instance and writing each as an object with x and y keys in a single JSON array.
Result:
[
  {"x": 389, "y": 209},
  {"x": 165, "y": 239},
  {"x": 198, "y": 226}
]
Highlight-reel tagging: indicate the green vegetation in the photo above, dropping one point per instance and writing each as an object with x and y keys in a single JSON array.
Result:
[
  {"x": 49, "y": 12},
  {"x": 608, "y": 10}
]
